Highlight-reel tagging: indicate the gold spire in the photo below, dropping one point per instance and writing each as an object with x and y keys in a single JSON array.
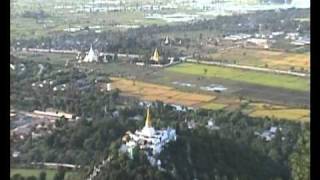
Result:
[
  {"x": 148, "y": 118},
  {"x": 156, "y": 56}
]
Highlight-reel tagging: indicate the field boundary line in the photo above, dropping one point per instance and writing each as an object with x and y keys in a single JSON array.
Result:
[{"x": 275, "y": 71}]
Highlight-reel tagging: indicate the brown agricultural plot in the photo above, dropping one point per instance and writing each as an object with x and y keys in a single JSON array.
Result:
[
  {"x": 152, "y": 92},
  {"x": 256, "y": 57}
]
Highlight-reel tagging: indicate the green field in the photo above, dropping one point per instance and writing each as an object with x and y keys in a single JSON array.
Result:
[
  {"x": 259, "y": 78},
  {"x": 36, "y": 172}
]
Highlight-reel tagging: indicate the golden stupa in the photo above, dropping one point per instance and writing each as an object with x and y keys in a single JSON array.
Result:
[
  {"x": 148, "y": 119},
  {"x": 156, "y": 56}
]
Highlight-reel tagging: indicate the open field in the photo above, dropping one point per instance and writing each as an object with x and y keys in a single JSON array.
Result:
[
  {"x": 261, "y": 110},
  {"x": 259, "y": 78},
  {"x": 166, "y": 94},
  {"x": 35, "y": 172},
  {"x": 214, "y": 106},
  {"x": 260, "y": 58},
  {"x": 153, "y": 92},
  {"x": 236, "y": 89}
]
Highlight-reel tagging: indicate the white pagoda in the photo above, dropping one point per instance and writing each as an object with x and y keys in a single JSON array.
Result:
[
  {"x": 91, "y": 56},
  {"x": 166, "y": 41},
  {"x": 148, "y": 139}
]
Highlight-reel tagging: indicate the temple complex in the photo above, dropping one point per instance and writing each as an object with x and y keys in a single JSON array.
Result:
[{"x": 148, "y": 139}]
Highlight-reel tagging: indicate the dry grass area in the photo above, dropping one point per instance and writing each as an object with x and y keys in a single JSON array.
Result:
[
  {"x": 214, "y": 106},
  {"x": 257, "y": 57},
  {"x": 153, "y": 92},
  {"x": 293, "y": 114},
  {"x": 289, "y": 59},
  {"x": 263, "y": 110}
]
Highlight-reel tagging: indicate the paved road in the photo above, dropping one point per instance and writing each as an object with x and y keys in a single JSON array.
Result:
[{"x": 249, "y": 68}]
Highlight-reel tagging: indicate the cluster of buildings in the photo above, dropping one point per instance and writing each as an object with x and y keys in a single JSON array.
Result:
[
  {"x": 249, "y": 40},
  {"x": 148, "y": 139},
  {"x": 264, "y": 40},
  {"x": 49, "y": 84},
  {"x": 96, "y": 29},
  {"x": 301, "y": 42},
  {"x": 43, "y": 83},
  {"x": 211, "y": 125},
  {"x": 269, "y": 134},
  {"x": 201, "y": 5},
  {"x": 36, "y": 123},
  {"x": 18, "y": 67}
]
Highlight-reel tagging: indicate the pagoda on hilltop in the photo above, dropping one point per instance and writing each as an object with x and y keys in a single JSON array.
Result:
[{"x": 150, "y": 140}]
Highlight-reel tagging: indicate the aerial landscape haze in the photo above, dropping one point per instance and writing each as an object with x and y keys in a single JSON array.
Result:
[{"x": 150, "y": 89}]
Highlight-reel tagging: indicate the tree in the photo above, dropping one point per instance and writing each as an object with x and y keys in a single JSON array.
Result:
[
  {"x": 60, "y": 174},
  {"x": 16, "y": 176},
  {"x": 205, "y": 70},
  {"x": 300, "y": 159},
  {"x": 31, "y": 178},
  {"x": 292, "y": 68},
  {"x": 61, "y": 122}
]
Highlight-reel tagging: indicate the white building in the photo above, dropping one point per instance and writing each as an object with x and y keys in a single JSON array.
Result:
[
  {"x": 148, "y": 139},
  {"x": 292, "y": 36},
  {"x": 258, "y": 42},
  {"x": 15, "y": 154},
  {"x": 268, "y": 135},
  {"x": 53, "y": 114},
  {"x": 237, "y": 37}
]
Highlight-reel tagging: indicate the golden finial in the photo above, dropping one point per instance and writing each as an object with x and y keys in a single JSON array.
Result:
[{"x": 148, "y": 118}]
